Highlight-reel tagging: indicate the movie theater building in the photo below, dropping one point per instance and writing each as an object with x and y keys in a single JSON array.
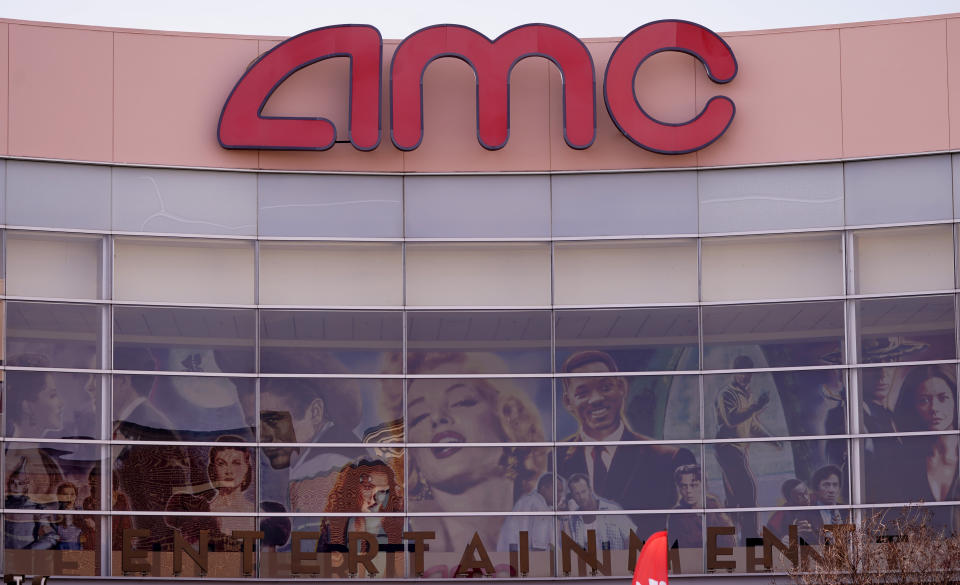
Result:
[{"x": 327, "y": 306}]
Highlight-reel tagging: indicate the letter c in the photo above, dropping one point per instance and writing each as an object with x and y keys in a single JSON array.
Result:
[{"x": 627, "y": 113}]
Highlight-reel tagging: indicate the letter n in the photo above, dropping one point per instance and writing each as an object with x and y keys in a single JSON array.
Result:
[{"x": 243, "y": 125}]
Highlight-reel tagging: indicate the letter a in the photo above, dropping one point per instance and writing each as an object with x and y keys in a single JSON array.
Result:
[{"x": 651, "y": 566}]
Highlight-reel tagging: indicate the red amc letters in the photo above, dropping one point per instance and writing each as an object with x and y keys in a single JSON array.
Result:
[{"x": 243, "y": 125}]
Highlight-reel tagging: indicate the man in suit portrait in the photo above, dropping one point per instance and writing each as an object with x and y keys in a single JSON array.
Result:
[{"x": 635, "y": 477}]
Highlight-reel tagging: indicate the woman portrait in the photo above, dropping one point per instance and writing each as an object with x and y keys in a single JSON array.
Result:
[
  {"x": 230, "y": 472},
  {"x": 364, "y": 487},
  {"x": 34, "y": 406},
  {"x": 929, "y": 465},
  {"x": 451, "y": 478}
]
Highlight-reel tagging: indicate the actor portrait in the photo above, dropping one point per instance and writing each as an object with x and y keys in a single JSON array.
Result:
[{"x": 634, "y": 477}]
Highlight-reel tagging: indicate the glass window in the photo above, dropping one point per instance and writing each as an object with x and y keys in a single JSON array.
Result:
[
  {"x": 331, "y": 342},
  {"x": 909, "y": 398},
  {"x": 331, "y": 410},
  {"x": 330, "y": 478},
  {"x": 593, "y": 273},
  {"x": 181, "y": 339},
  {"x": 478, "y": 274},
  {"x": 451, "y": 478},
  {"x": 753, "y": 267},
  {"x": 61, "y": 545},
  {"x": 910, "y": 469},
  {"x": 333, "y": 274},
  {"x": 906, "y": 329},
  {"x": 41, "y": 265},
  {"x": 52, "y": 405},
  {"x": 478, "y": 342},
  {"x": 776, "y": 404},
  {"x": 36, "y": 473},
  {"x": 652, "y": 407},
  {"x": 183, "y": 271},
  {"x": 773, "y": 335},
  {"x": 904, "y": 259},
  {"x": 183, "y": 479},
  {"x": 638, "y": 340},
  {"x": 56, "y": 335},
  {"x": 478, "y": 410},
  {"x": 760, "y": 473},
  {"x": 182, "y": 408}
]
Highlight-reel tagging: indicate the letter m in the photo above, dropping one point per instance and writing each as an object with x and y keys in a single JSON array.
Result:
[
  {"x": 492, "y": 63},
  {"x": 243, "y": 125}
]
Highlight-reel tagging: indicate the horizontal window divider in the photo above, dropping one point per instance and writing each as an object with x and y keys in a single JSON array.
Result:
[
  {"x": 200, "y": 305},
  {"x": 351, "y": 376},
  {"x": 545, "y": 444},
  {"x": 480, "y": 239},
  {"x": 482, "y": 173},
  {"x": 394, "y": 308},
  {"x": 541, "y": 375},
  {"x": 491, "y": 308},
  {"x": 332, "y": 239},
  {"x": 900, "y": 295},
  {"x": 470, "y": 376},
  {"x": 893, "y": 364},
  {"x": 505, "y": 513}
]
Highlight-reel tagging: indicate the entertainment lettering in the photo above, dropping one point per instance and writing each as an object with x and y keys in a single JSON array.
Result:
[
  {"x": 243, "y": 124},
  {"x": 362, "y": 555}
]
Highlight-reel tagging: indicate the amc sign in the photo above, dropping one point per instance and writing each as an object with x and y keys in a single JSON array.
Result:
[{"x": 243, "y": 125}]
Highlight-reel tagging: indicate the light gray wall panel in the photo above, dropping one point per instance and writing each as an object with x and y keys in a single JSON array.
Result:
[
  {"x": 3, "y": 191},
  {"x": 625, "y": 204},
  {"x": 336, "y": 206},
  {"x": 477, "y": 207},
  {"x": 58, "y": 195},
  {"x": 184, "y": 202},
  {"x": 956, "y": 185},
  {"x": 898, "y": 190},
  {"x": 771, "y": 198}
]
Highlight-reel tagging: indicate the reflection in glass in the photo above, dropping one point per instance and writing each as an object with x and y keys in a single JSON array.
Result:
[
  {"x": 66, "y": 335},
  {"x": 51, "y": 405},
  {"x": 774, "y": 334},
  {"x": 445, "y": 342},
  {"x": 358, "y": 342},
  {"x": 638, "y": 340},
  {"x": 182, "y": 408},
  {"x": 906, "y": 329},
  {"x": 182, "y": 339}
]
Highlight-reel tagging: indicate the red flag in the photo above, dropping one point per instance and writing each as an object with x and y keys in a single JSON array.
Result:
[{"x": 652, "y": 562}]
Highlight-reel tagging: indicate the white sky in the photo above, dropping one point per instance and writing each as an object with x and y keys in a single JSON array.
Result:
[{"x": 398, "y": 18}]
